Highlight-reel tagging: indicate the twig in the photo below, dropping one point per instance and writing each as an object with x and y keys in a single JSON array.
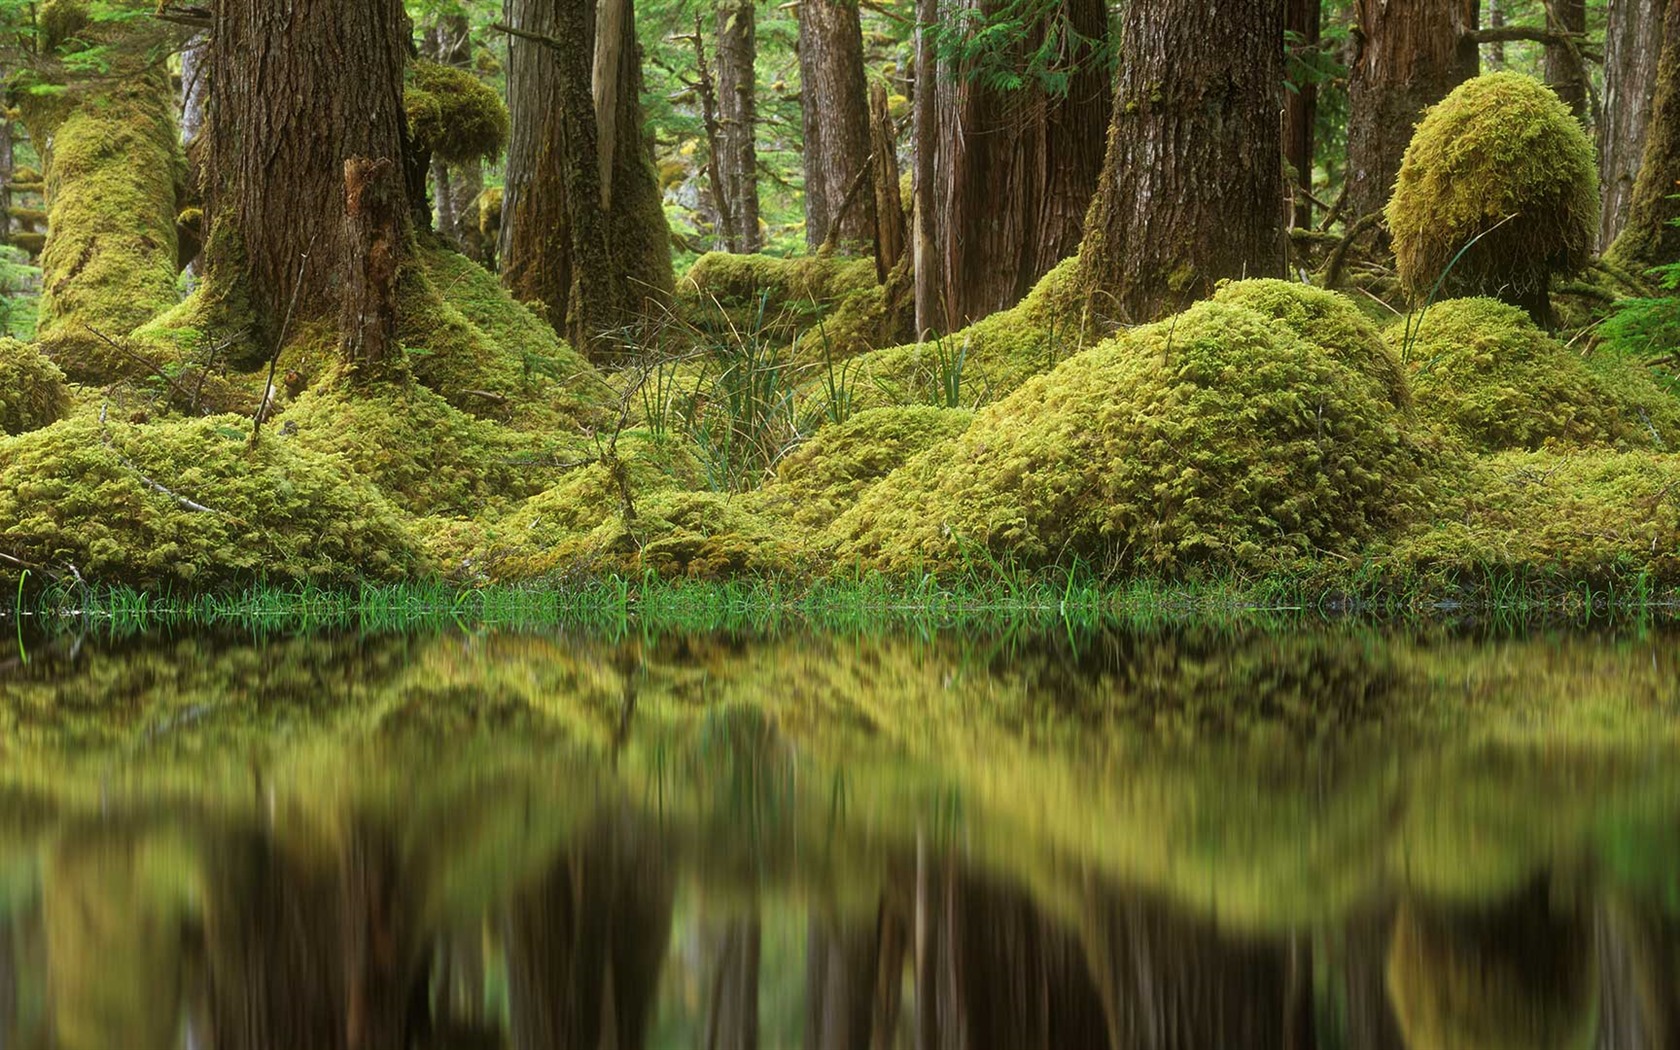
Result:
[
  {"x": 105, "y": 436},
  {"x": 279, "y": 345},
  {"x": 526, "y": 34},
  {"x": 1338, "y": 258},
  {"x": 150, "y": 365}
]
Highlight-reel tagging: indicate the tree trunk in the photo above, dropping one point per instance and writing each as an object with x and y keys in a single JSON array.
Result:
[
  {"x": 737, "y": 50},
  {"x": 1300, "y": 115},
  {"x": 889, "y": 204},
  {"x": 836, "y": 117},
  {"x": 1410, "y": 53},
  {"x": 300, "y": 90},
  {"x": 638, "y": 235},
  {"x": 1650, "y": 238},
  {"x": 1633, "y": 41},
  {"x": 1496, "y": 50},
  {"x": 195, "y": 84},
  {"x": 456, "y": 187},
  {"x": 928, "y": 213},
  {"x": 7, "y": 163},
  {"x": 374, "y": 209},
  {"x": 1563, "y": 67},
  {"x": 1192, "y": 186}
]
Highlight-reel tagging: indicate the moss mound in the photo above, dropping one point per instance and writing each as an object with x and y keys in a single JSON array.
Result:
[
  {"x": 109, "y": 265},
  {"x": 1500, "y": 158},
  {"x": 1484, "y": 373},
  {"x": 1216, "y": 439},
  {"x": 425, "y": 455},
  {"x": 75, "y": 493},
  {"x": 454, "y": 115},
  {"x": 775, "y": 297},
  {"x": 1328, "y": 319},
  {"x": 996, "y": 354},
  {"x": 1585, "y": 515},
  {"x": 827, "y": 474},
  {"x": 32, "y": 392}
]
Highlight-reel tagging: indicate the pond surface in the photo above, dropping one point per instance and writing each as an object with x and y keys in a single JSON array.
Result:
[{"x": 1185, "y": 838}]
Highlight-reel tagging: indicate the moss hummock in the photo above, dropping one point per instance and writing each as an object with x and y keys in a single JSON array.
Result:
[
  {"x": 1216, "y": 439},
  {"x": 112, "y": 501},
  {"x": 1503, "y": 160},
  {"x": 32, "y": 391},
  {"x": 452, "y": 114},
  {"x": 1486, "y": 375}
]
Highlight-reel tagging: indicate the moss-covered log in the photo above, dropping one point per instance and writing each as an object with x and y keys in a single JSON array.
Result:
[{"x": 1650, "y": 237}]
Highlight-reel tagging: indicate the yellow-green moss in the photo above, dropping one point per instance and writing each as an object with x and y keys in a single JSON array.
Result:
[
  {"x": 425, "y": 455},
  {"x": 1588, "y": 515},
  {"x": 75, "y": 493},
  {"x": 1328, "y": 319},
  {"x": 755, "y": 292},
  {"x": 825, "y": 476},
  {"x": 1484, "y": 373},
  {"x": 58, "y": 21},
  {"x": 998, "y": 353},
  {"x": 32, "y": 392},
  {"x": 453, "y": 114},
  {"x": 1500, "y": 151},
  {"x": 1215, "y": 438},
  {"x": 109, "y": 261}
]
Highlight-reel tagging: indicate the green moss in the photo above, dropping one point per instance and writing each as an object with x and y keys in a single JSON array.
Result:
[
  {"x": 75, "y": 493},
  {"x": 1582, "y": 515},
  {"x": 1218, "y": 438},
  {"x": 755, "y": 290},
  {"x": 454, "y": 115},
  {"x": 1328, "y": 319},
  {"x": 425, "y": 455},
  {"x": 998, "y": 353},
  {"x": 109, "y": 262},
  {"x": 1500, "y": 158},
  {"x": 1485, "y": 374},
  {"x": 32, "y": 392},
  {"x": 58, "y": 21},
  {"x": 827, "y": 474}
]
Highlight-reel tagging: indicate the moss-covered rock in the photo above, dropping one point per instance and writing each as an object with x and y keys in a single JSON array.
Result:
[
  {"x": 1583, "y": 515},
  {"x": 1503, "y": 160},
  {"x": 454, "y": 115},
  {"x": 825, "y": 476},
  {"x": 1328, "y": 319},
  {"x": 32, "y": 392},
  {"x": 114, "y": 502},
  {"x": 1485, "y": 374},
  {"x": 1216, "y": 439}
]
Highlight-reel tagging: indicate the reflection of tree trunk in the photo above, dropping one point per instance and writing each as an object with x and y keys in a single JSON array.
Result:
[
  {"x": 732, "y": 1001},
  {"x": 1170, "y": 980},
  {"x": 1370, "y": 1020},
  {"x": 585, "y": 945},
  {"x": 1639, "y": 978},
  {"x": 839, "y": 985},
  {"x": 386, "y": 993}
]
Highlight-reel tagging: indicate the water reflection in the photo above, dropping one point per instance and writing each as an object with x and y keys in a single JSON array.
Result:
[{"x": 1182, "y": 840}]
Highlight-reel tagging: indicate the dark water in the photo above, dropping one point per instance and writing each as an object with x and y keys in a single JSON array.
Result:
[{"x": 1181, "y": 839}]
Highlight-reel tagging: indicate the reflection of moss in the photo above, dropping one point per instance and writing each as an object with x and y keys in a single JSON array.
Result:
[
  {"x": 275, "y": 511},
  {"x": 1488, "y": 376},
  {"x": 1501, "y": 159},
  {"x": 32, "y": 392},
  {"x": 1517, "y": 977},
  {"x": 1217, "y": 438}
]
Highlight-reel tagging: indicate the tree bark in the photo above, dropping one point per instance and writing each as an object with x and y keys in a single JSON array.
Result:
[
  {"x": 638, "y": 235},
  {"x": 1192, "y": 186},
  {"x": 1633, "y": 41},
  {"x": 1409, "y": 54},
  {"x": 300, "y": 90},
  {"x": 1650, "y": 238},
  {"x": 1302, "y": 20},
  {"x": 1563, "y": 65},
  {"x": 836, "y": 120},
  {"x": 374, "y": 209},
  {"x": 195, "y": 84},
  {"x": 737, "y": 50},
  {"x": 928, "y": 213},
  {"x": 889, "y": 205}
]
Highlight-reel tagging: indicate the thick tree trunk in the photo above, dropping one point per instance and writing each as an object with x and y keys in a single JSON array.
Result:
[
  {"x": 374, "y": 210},
  {"x": 737, "y": 49},
  {"x": 638, "y": 235},
  {"x": 1563, "y": 66},
  {"x": 1410, "y": 53},
  {"x": 1192, "y": 186},
  {"x": 300, "y": 90},
  {"x": 1650, "y": 238},
  {"x": 1300, "y": 114},
  {"x": 836, "y": 116},
  {"x": 1632, "y": 48},
  {"x": 1018, "y": 167}
]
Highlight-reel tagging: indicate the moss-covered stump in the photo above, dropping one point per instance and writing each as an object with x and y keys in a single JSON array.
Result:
[
  {"x": 109, "y": 262},
  {"x": 987, "y": 360},
  {"x": 1218, "y": 439},
  {"x": 1498, "y": 192},
  {"x": 193, "y": 503},
  {"x": 1592, "y": 515},
  {"x": 826, "y": 475},
  {"x": 453, "y": 115},
  {"x": 32, "y": 391},
  {"x": 779, "y": 297},
  {"x": 1485, "y": 374}
]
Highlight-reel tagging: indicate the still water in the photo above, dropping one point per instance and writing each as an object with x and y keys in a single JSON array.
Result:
[{"x": 1184, "y": 838}]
